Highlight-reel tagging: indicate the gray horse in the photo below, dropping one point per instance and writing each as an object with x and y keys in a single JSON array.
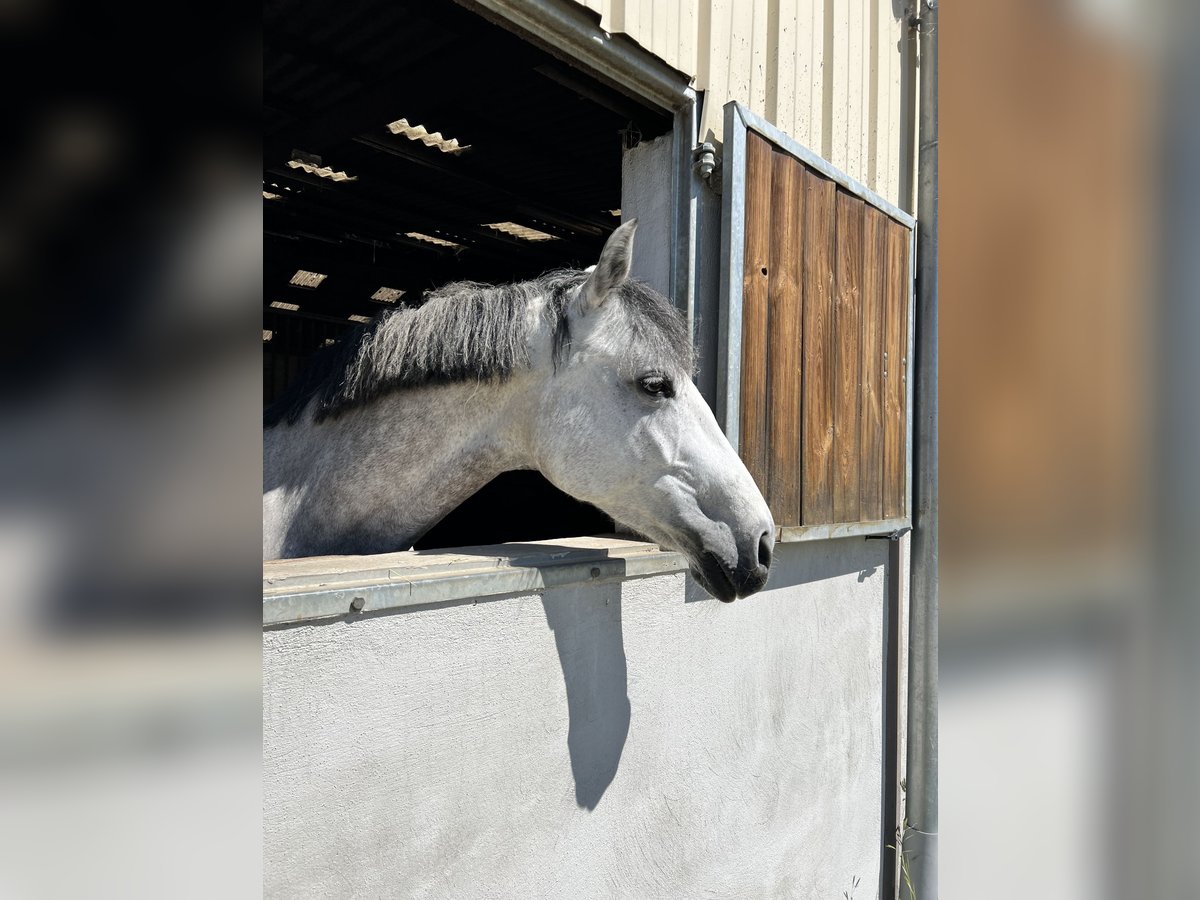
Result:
[{"x": 583, "y": 376}]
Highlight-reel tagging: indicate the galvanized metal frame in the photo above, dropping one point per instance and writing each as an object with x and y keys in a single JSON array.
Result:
[
  {"x": 684, "y": 189},
  {"x": 921, "y": 800},
  {"x": 738, "y": 122},
  {"x": 733, "y": 260},
  {"x": 909, "y": 373}
]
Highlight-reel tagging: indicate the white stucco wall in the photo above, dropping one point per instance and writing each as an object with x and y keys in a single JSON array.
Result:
[{"x": 636, "y": 739}]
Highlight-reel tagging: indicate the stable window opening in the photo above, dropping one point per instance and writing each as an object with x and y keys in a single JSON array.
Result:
[{"x": 416, "y": 145}]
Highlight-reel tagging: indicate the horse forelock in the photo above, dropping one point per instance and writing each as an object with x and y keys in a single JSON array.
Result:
[
  {"x": 466, "y": 331},
  {"x": 659, "y": 332}
]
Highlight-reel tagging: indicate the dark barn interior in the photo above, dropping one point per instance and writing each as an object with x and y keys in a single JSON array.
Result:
[{"x": 409, "y": 144}]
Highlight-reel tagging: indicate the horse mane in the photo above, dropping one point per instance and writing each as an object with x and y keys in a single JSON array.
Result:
[{"x": 464, "y": 331}]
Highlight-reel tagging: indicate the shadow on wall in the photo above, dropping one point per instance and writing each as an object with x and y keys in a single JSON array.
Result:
[
  {"x": 591, "y": 650},
  {"x": 586, "y": 622}
]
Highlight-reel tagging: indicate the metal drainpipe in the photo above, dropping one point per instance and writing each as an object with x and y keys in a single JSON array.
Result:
[{"x": 921, "y": 795}]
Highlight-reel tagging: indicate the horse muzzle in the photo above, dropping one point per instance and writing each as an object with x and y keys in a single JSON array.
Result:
[{"x": 748, "y": 577}]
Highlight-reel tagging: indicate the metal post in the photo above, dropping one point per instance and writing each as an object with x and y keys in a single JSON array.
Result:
[
  {"x": 920, "y": 838},
  {"x": 891, "y": 722},
  {"x": 1164, "y": 864}
]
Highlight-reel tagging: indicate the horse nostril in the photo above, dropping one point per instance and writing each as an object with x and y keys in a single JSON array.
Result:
[{"x": 766, "y": 545}]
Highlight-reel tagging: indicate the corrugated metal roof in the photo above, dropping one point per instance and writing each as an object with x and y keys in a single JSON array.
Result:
[{"x": 539, "y": 156}]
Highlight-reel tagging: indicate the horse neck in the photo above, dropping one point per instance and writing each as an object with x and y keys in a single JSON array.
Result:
[
  {"x": 389, "y": 471},
  {"x": 455, "y": 429},
  {"x": 379, "y": 476}
]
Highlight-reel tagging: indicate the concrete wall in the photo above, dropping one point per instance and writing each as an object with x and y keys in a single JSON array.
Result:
[
  {"x": 838, "y": 77},
  {"x": 646, "y": 173},
  {"x": 636, "y": 739}
]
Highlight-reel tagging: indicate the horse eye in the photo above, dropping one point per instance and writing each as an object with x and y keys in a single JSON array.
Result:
[{"x": 656, "y": 386}]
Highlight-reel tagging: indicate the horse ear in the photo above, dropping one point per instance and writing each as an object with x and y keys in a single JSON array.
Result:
[{"x": 613, "y": 268}]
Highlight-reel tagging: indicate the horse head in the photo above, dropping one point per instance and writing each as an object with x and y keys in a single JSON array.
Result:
[{"x": 621, "y": 425}]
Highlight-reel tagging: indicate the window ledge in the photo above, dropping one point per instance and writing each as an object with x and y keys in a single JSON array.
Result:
[{"x": 323, "y": 587}]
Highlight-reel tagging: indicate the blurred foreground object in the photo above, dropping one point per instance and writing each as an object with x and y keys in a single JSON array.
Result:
[
  {"x": 130, "y": 267},
  {"x": 1069, "y": 382}
]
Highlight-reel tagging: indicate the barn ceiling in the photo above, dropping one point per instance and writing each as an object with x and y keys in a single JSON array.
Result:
[{"x": 408, "y": 144}]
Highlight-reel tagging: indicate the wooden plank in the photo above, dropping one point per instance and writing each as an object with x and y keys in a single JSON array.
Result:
[
  {"x": 817, "y": 374},
  {"x": 755, "y": 282},
  {"x": 847, "y": 329},
  {"x": 784, "y": 340},
  {"x": 895, "y": 330},
  {"x": 871, "y": 445}
]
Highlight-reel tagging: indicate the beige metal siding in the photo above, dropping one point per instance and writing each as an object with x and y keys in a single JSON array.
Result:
[{"x": 827, "y": 72}]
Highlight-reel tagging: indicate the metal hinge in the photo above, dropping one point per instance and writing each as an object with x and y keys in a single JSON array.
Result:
[
  {"x": 914, "y": 11},
  {"x": 707, "y": 165},
  {"x": 891, "y": 535}
]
